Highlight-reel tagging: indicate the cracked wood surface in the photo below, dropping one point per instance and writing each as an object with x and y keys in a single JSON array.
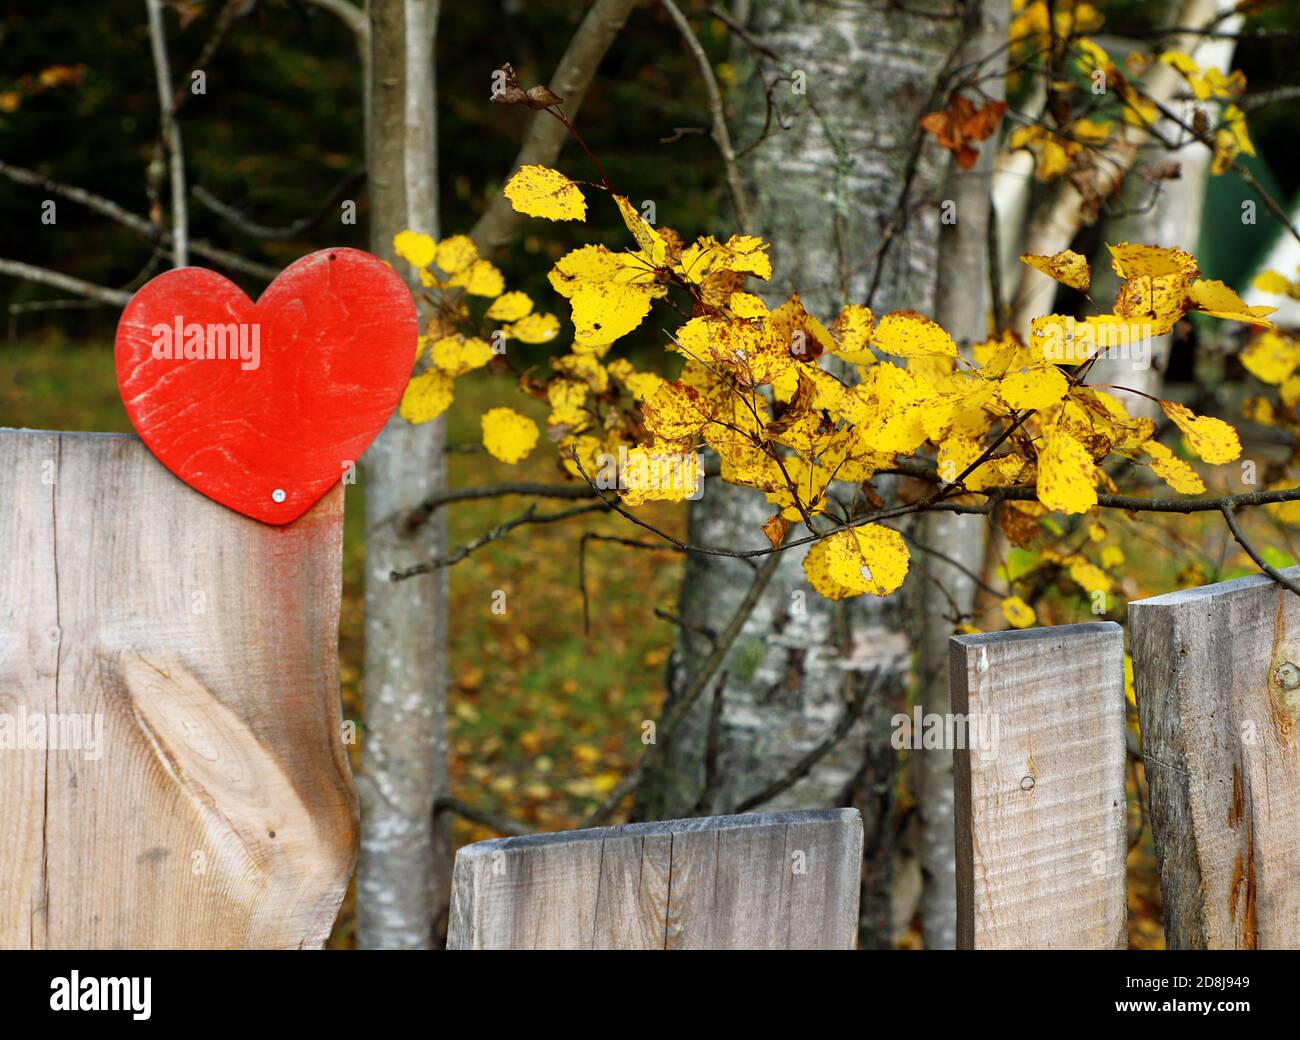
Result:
[
  {"x": 783, "y": 881},
  {"x": 1041, "y": 812},
  {"x": 216, "y": 808},
  {"x": 1219, "y": 707}
]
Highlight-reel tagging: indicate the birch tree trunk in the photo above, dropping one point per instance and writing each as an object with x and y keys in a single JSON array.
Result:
[
  {"x": 962, "y": 306},
  {"x": 1166, "y": 213},
  {"x": 403, "y": 872},
  {"x": 824, "y": 190}
]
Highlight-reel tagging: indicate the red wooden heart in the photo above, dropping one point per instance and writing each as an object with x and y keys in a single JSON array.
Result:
[{"x": 263, "y": 406}]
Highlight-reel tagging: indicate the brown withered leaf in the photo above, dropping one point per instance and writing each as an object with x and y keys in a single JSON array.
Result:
[
  {"x": 960, "y": 123},
  {"x": 775, "y": 529},
  {"x": 540, "y": 97}
]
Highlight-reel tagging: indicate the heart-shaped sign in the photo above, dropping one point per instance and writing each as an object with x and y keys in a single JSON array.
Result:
[{"x": 264, "y": 406}]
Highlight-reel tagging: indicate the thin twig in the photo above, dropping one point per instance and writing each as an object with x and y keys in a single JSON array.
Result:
[
  {"x": 528, "y": 516},
  {"x": 862, "y": 692},
  {"x": 171, "y": 135},
  {"x": 717, "y": 114},
  {"x": 1229, "y": 514},
  {"x": 699, "y": 681},
  {"x": 500, "y": 824}
]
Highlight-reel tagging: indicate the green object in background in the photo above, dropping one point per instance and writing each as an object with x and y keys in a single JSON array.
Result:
[{"x": 1228, "y": 249}]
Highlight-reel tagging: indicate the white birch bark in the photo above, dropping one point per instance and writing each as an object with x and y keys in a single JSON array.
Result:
[
  {"x": 403, "y": 872},
  {"x": 823, "y": 192}
]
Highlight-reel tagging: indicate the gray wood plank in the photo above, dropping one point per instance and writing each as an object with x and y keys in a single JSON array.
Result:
[
  {"x": 216, "y": 808},
  {"x": 1041, "y": 816},
  {"x": 756, "y": 881},
  {"x": 1217, "y": 672}
]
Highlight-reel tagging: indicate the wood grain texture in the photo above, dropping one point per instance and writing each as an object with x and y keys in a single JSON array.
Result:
[
  {"x": 785, "y": 880},
  {"x": 1217, "y": 671},
  {"x": 336, "y": 337},
  {"x": 216, "y": 808},
  {"x": 1041, "y": 814}
]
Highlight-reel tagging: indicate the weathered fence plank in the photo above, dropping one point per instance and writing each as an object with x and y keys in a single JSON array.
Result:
[
  {"x": 1217, "y": 671},
  {"x": 1041, "y": 811},
  {"x": 786, "y": 880},
  {"x": 195, "y": 652}
]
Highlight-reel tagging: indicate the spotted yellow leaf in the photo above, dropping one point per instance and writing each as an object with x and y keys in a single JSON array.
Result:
[
  {"x": 1067, "y": 267},
  {"x": 867, "y": 559},
  {"x": 908, "y": 334},
  {"x": 427, "y": 396},
  {"x": 1216, "y": 298},
  {"x": 456, "y": 253},
  {"x": 507, "y": 435},
  {"x": 1175, "y": 472},
  {"x": 1212, "y": 439},
  {"x": 534, "y": 328},
  {"x": 1038, "y": 388},
  {"x": 1017, "y": 612},
  {"x": 540, "y": 191},
  {"x": 1066, "y": 474}
]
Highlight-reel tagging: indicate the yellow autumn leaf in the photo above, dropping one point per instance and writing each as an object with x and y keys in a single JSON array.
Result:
[
  {"x": 1218, "y": 299},
  {"x": 852, "y": 330},
  {"x": 1037, "y": 389},
  {"x": 427, "y": 396},
  {"x": 867, "y": 559},
  {"x": 655, "y": 475},
  {"x": 415, "y": 247},
  {"x": 1212, "y": 439},
  {"x": 1175, "y": 472},
  {"x": 1284, "y": 512},
  {"x": 610, "y": 293},
  {"x": 1088, "y": 576},
  {"x": 456, "y": 253},
  {"x": 650, "y": 241},
  {"x": 1272, "y": 283},
  {"x": 481, "y": 278},
  {"x": 747, "y": 305},
  {"x": 510, "y": 306},
  {"x": 908, "y": 334},
  {"x": 1067, "y": 267},
  {"x": 534, "y": 328},
  {"x": 1066, "y": 474},
  {"x": 1017, "y": 612},
  {"x": 566, "y": 399},
  {"x": 1272, "y": 357},
  {"x": 457, "y": 355},
  {"x": 540, "y": 191},
  {"x": 1112, "y": 556},
  {"x": 507, "y": 435}
]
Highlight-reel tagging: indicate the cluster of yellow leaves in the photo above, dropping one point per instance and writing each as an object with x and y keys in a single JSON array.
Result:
[
  {"x": 449, "y": 348},
  {"x": 1231, "y": 137},
  {"x": 1273, "y": 357},
  {"x": 789, "y": 404}
]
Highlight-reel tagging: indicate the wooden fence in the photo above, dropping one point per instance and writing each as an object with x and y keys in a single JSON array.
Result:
[{"x": 173, "y": 773}]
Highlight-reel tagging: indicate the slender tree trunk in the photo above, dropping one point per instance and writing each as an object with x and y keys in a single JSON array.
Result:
[
  {"x": 404, "y": 864},
  {"x": 962, "y": 306},
  {"x": 824, "y": 192},
  {"x": 1167, "y": 213}
]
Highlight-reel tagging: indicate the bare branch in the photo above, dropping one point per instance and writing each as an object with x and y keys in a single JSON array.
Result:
[
  {"x": 851, "y": 713},
  {"x": 353, "y": 17},
  {"x": 1229, "y": 514},
  {"x": 108, "y": 208},
  {"x": 717, "y": 114},
  {"x": 44, "y": 276},
  {"x": 572, "y": 76},
  {"x": 278, "y": 234},
  {"x": 528, "y": 516},
  {"x": 171, "y": 134},
  {"x": 432, "y": 503},
  {"x": 500, "y": 824},
  {"x": 699, "y": 681}
]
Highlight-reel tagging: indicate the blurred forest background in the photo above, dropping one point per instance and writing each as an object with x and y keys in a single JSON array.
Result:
[{"x": 543, "y": 719}]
